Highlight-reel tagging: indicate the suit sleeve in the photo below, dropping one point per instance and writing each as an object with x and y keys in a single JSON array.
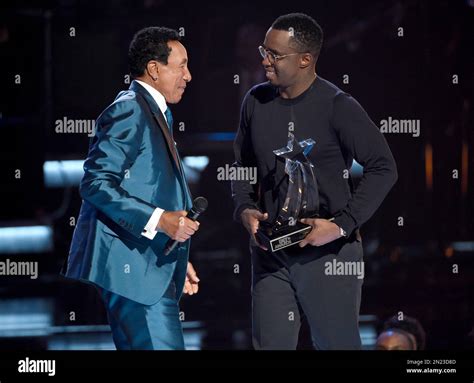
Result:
[
  {"x": 243, "y": 192},
  {"x": 119, "y": 133},
  {"x": 361, "y": 138}
]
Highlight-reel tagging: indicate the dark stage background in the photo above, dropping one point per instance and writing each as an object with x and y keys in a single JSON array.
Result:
[{"x": 405, "y": 60}]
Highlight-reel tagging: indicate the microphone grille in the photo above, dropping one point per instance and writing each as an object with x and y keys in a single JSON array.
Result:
[{"x": 200, "y": 204}]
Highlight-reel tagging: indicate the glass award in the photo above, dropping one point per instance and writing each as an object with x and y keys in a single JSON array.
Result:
[{"x": 302, "y": 198}]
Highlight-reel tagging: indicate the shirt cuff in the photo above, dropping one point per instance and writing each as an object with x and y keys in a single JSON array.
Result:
[
  {"x": 346, "y": 222},
  {"x": 150, "y": 230}
]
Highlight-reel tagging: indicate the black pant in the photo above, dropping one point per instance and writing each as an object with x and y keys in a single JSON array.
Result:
[{"x": 294, "y": 282}]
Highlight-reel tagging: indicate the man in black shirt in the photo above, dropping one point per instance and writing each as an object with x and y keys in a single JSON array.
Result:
[{"x": 306, "y": 279}]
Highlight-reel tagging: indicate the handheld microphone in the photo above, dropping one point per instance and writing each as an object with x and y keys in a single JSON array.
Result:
[{"x": 199, "y": 206}]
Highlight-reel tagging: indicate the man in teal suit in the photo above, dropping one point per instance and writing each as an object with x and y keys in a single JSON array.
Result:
[{"x": 135, "y": 199}]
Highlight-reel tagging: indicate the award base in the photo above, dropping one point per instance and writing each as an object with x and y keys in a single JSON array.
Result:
[{"x": 288, "y": 235}]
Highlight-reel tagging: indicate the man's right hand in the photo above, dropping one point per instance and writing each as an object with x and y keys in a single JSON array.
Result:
[
  {"x": 176, "y": 226},
  {"x": 250, "y": 219}
]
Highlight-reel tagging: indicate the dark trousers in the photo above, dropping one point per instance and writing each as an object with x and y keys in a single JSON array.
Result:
[{"x": 294, "y": 282}]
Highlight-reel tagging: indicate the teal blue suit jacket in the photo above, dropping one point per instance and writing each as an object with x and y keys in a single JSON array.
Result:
[{"x": 129, "y": 171}]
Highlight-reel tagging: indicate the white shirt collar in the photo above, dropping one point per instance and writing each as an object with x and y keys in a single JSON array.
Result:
[{"x": 157, "y": 96}]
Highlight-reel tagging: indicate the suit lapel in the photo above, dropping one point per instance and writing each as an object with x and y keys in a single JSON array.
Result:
[
  {"x": 164, "y": 128},
  {"x": 160, "y": 120},
  {"x": 150, "y": 105},
  {"x": 172, "y": 147}
]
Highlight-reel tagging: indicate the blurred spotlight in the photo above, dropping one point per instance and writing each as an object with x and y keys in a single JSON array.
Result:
[
  {"x": 464, "y": 246},
  {"x": 194, "y": 166},
  {"x": 196, "y": 162},
  {"x": 449, "y": 252},
  {"x": 26, "y": 239},
  {"x": 217, "y": 136},
  {"x": 59, "y": 174}
]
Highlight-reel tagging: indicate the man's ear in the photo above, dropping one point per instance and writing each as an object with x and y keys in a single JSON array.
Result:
[
  {"x": 153, "y": 69},
  {"x": 306, "y": 60}
]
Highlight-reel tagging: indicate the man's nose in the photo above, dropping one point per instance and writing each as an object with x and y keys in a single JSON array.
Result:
[
  {"x": 266, "y": 62},
  {"x": 187, "y": 76}
]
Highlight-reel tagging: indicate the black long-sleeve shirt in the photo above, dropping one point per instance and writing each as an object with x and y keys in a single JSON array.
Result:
[{"x": 342, "y": 131}]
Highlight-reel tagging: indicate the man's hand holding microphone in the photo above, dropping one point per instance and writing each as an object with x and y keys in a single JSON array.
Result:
[
  {"x": 180, "y": 226},
  {"x": 177, "y": 226}
]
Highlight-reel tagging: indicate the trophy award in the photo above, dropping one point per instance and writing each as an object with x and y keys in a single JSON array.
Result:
[{"x": 302, "y": 199}]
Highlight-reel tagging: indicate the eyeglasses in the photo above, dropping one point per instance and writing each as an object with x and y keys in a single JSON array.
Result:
[{"x": 272, "y": 57}]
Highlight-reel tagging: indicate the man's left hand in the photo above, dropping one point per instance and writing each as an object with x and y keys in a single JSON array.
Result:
[
  {"x": 191, "y": 284},
  {"x": 323, "y": 232}
]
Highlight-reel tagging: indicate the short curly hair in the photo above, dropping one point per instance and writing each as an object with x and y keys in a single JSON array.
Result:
[
  {"x": 409, "y": 325},
  {"x": 150, "y": 44},
  {"x": 307, "y": 34}
]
